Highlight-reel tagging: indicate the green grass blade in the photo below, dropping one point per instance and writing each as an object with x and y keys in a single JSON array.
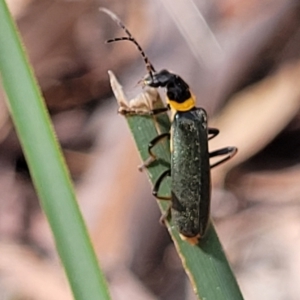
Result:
[
  {"x": 47, "y": 167},
  {"x": 205, "y": 263}
]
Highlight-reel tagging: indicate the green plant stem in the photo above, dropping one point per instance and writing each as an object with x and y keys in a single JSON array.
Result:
[
  {"x": 47, "y": 167},
  {"x": 205, "y": 263}
]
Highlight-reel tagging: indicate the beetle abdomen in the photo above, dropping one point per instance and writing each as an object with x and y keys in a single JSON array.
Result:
[{"x": 190, "y": 172}]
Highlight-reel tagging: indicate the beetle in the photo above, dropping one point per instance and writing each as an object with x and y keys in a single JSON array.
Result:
[{"x": 190, "y": 157}]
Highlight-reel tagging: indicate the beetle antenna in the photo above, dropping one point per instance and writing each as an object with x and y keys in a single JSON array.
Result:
[{"x": 130, "y": 38}]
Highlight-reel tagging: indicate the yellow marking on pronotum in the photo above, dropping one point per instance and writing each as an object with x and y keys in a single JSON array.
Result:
[{"x": 184, "y": 106}]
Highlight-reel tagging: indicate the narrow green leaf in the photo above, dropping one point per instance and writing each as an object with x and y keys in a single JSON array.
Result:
[
  {"x": 205, "y": 263},
  {"x": 47, "y": 167}
]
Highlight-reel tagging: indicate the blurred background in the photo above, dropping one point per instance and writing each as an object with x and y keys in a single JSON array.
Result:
[{"x": 242, "y": 60}]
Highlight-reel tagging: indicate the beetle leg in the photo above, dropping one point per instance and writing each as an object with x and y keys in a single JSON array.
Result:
[
  {"x": 157, "y": 111},
  {"x": 213, "y": 132},
  {"x": 158, "y": 183},
  {"x": 155, "y": 190},
  {"x": 166, "y": 215},
  {"x": 230, "y": 151},
  {"x": 129, "y": 111},
  {"x": 152, "y": 156}
]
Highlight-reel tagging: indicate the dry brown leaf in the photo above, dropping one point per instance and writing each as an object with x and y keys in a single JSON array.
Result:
[
  {"x": 30, "y": 276},
  {"x": 256, "y": 115}
]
